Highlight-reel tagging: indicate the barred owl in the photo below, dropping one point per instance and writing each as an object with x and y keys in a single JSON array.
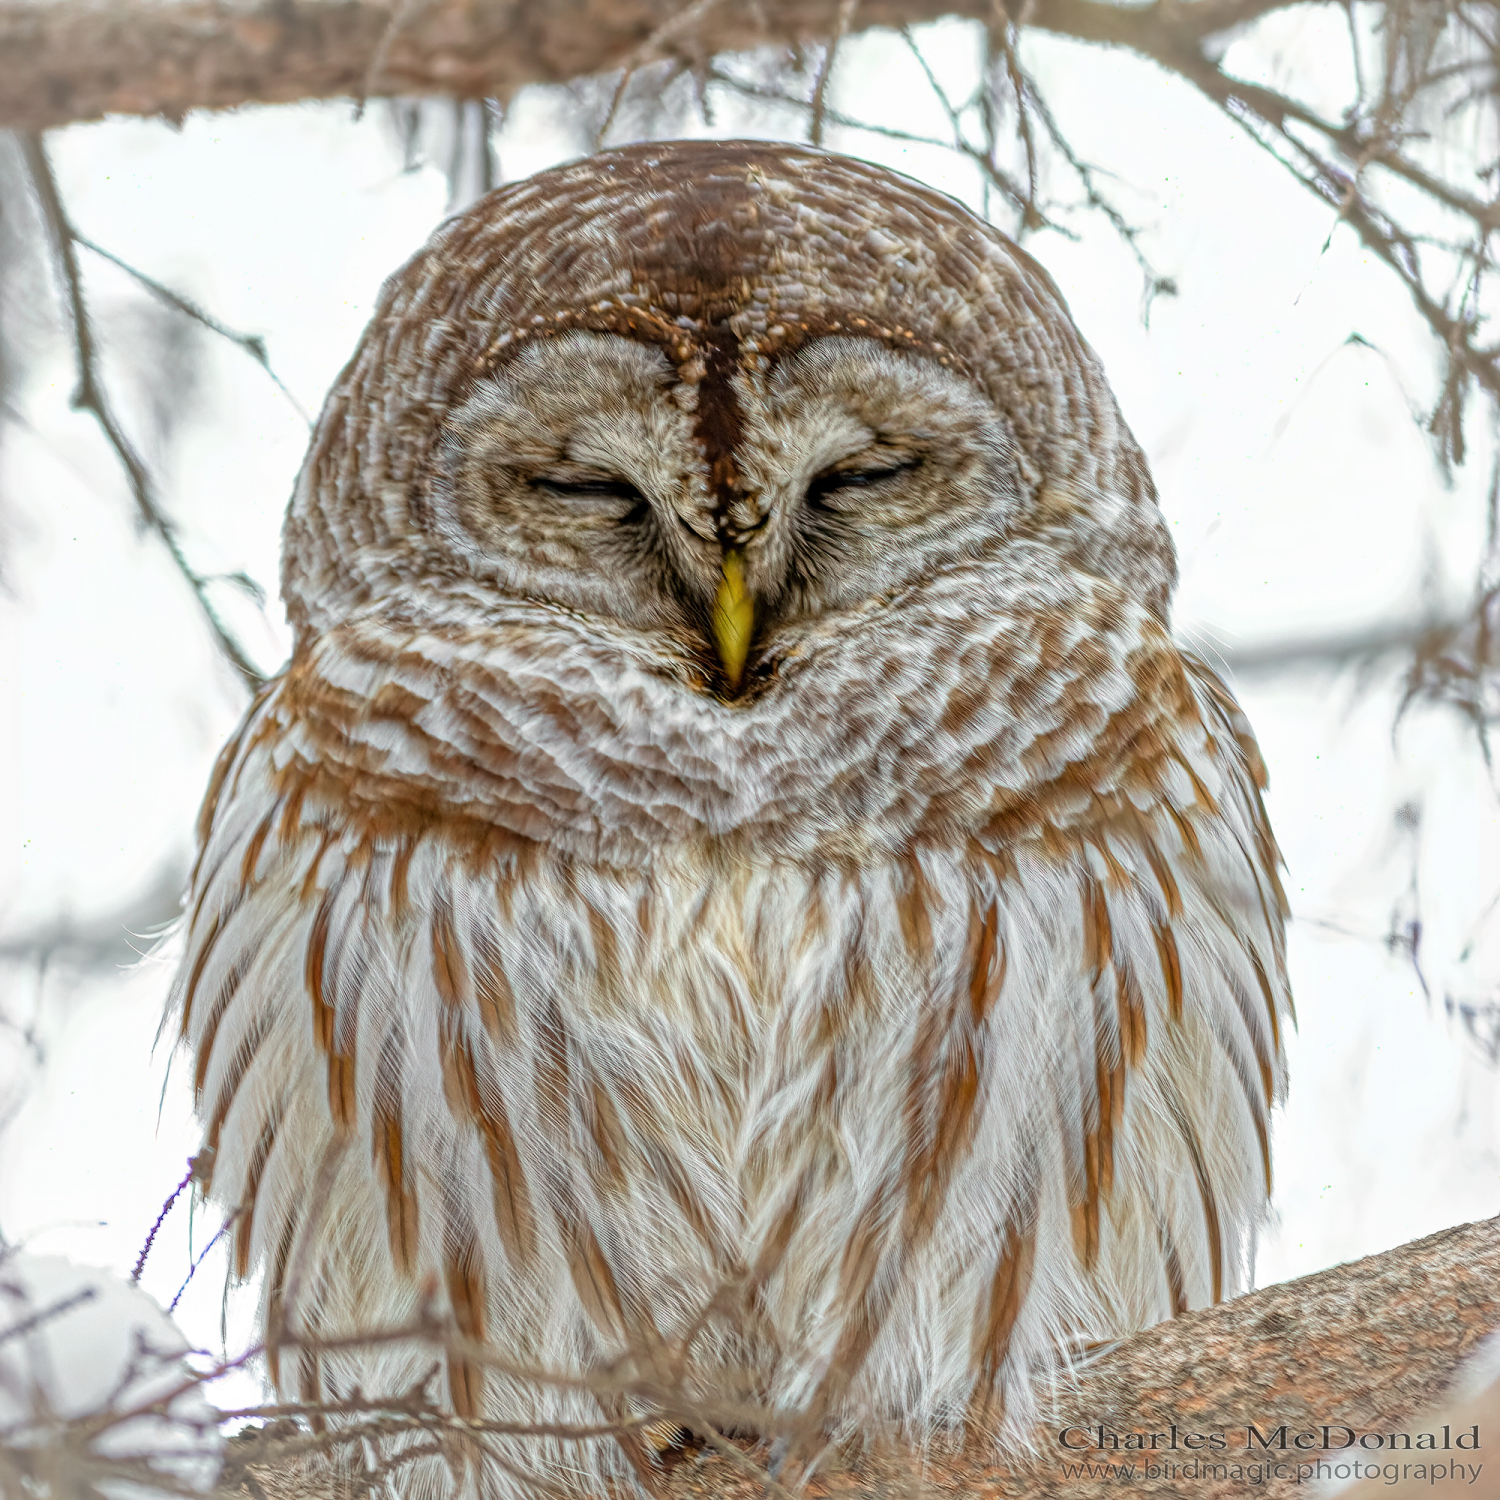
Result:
[{"x": 735, "y": 832}]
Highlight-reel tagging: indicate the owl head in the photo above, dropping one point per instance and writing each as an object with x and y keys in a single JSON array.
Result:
[{"x": 716, "y": 394}]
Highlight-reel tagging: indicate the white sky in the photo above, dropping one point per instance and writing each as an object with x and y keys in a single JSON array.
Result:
[{"x": 1301, "y": 494}]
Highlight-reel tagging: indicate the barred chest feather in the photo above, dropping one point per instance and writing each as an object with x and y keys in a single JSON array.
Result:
[{"x": 928, "y": 1107}]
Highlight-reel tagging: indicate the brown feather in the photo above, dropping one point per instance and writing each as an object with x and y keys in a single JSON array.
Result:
[
  {"x": 388, "y": 1153},
  {"x": 1097, "y": 935},
  {"x": 200, "y": 963},
  {"x": 275, "y": 1298},
  {"x": 226, "y": 993},
  {"x": 593, "y": 1277},
  {"x": 865, "y": 1297},
  {"x": 933, "y": 1159},
  {"x": 774, "y": 1247},
  {"x": 244, "y": 1220},
  {"x": 1164, "y": 878},
  {"x": 400, "y": 867},
  {"x": 913, "y": 895},
  {"x": 342, "y": 1104},
  {"x": 449, "y": 972},
  {"x": 944, "y": 1084},
  {"x": 1176, "y": 1292},
  {"x": 671, "y": 1174},
  {"x": 608, "y": 1135},
  {"x": 1210, "y": 1203},
  {"x": 492, "y": 992},
  {"x": 1084, "y": 1213},
  {"x": 1270, "y": 1000},
  {"x": 253, "y": 846},
  {"x": 1109, "y": 1083},
  {"x": 1171, "y": 968},
  {"x": 234, "y": 1076},
  {"x": 606, "y": 949},
  {"x": 313, "y": 972},
  {"x": 1186, "y": 832},
  {"x": 987, "y": 962},
  {"x": 464, "y": 1281},
  {"x": 485, "y": 1110},
  {"x": 1132, "y": 1012},
  {"x": 996, "y": 1323},
  {"x": 396, "y": 704}
]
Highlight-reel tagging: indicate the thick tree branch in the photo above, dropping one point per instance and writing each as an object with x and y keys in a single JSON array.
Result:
[
  {"x": 1366, "y": 1348},
  {"x": 68, "y": 60},
  {"x": 65, "y": 60}
]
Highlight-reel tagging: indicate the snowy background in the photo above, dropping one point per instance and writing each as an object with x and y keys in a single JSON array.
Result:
[{"x": 1302, "y": 493}]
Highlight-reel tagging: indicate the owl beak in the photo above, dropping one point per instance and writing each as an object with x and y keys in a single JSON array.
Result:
[{"x": 733, "y": 618}]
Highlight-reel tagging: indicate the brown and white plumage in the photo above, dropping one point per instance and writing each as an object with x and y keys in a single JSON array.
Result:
[{"x": 923, "y": 979}]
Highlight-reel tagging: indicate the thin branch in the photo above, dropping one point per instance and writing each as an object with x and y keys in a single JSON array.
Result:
[
  {"x": 430, "y": 1417},
  {"x": 1020, "y": 86},
  {"x": 252, "y": 343},
  {"x": 825, "y": 68},
  {"x": 649, "y": 50},
  {"x": 202, "y": 1256},
  {"x": 47, "y": 1314},
  {"x": 166, "y": 1208},
  {"x": 1263, "y": 114},
  {"x": 400, "y": 13},
  {"x": 1335, "y": 652},
  {"x": 90, "y": 396},
  {"x": 769, "y": 95},
  {"x": 59, "y": 64},
  {"x": 939, "y": 92},
  {"x": 1368, "y": 1344},
  {"x": 1094, "y": 197}
]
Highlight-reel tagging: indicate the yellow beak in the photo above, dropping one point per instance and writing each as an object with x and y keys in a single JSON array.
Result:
[{"x": 733, "y": 619}]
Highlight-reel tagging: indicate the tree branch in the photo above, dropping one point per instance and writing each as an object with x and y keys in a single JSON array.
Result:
[
  {"x": 1367, "y": 1347},
  {"x": 252, "y": 343},
  {"x": 68, "y": 60},
  {"x": 90, "y": 396}
]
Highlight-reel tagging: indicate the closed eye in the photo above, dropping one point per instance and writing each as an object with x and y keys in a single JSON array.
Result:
[
  {"x": 838, "y": 481},
  {"x": 601, "y": 488}
]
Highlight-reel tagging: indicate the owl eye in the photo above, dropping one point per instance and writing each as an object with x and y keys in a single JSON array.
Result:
[
  {"x": 838, "y": 481},
  {"x": 591, "y": 488}
]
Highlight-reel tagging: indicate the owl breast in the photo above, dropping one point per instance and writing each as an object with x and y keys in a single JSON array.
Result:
[{"x": 1008, "y": 1030}]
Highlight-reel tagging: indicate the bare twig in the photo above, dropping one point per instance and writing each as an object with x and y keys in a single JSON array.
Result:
[
  {"x": 1156, "y": 285},
  {"x": 201, "y": 1257},
  {"x": 166, "y": 1208},
  {"x": 90, "y": 396},
  {"x": 252, "y": 343},
  {"x": 650, "y": 50},
  {"x": 47, "y": 1314},
  {"x": 776, "y": 96},
  {"x": 825, "y": 68},
  {"x": 400, "y": 12},
  {"x": 1020, "y": 87},
  {"x": 1335, "y": 652}
]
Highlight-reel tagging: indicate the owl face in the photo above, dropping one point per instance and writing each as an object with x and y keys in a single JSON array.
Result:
[
  {"x": 578, "y": 475},
  {"x": 710, "y": 403}
]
